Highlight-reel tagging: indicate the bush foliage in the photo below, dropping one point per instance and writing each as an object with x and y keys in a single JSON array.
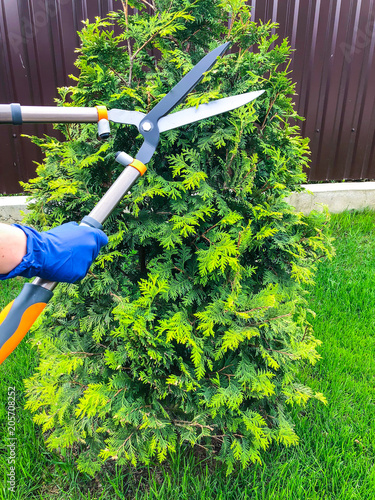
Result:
[{"x": 193, "y": 322}]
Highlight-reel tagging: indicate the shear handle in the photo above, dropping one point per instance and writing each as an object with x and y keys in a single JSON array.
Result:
[{"x": 16, "y": 114}]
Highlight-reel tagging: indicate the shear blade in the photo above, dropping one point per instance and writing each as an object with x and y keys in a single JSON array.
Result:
[
  {"x": 125, "y": 117},
  {"x": 191, "y": 115},
  {"x": 187, "y": 84}
]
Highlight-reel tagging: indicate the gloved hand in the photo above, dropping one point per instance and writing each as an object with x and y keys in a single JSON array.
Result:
[{"x": 63, "y": 254}]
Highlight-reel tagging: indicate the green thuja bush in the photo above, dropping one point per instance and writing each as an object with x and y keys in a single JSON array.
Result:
[{"x": 193, "y": 322}]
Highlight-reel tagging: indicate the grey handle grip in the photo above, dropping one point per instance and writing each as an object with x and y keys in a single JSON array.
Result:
[{"x": 16, "y": 114}]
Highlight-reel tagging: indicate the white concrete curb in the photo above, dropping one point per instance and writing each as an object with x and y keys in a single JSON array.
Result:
[
  {"x": 338, "y": 197},
  {"x": 11, "y": 207}
]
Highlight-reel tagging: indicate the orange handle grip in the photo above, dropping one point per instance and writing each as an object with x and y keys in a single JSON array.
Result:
[{"x": 18, "y": 317}]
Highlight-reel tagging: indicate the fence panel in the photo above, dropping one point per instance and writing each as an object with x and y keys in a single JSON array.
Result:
[{"x": 37, "y": 43}]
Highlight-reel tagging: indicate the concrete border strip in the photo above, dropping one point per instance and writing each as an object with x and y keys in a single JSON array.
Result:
[
  {"x": 11, "y": 207},
  {"x": 337, "y": 196}
]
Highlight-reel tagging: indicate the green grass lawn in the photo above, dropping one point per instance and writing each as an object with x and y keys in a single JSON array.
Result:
[{"x": 335, "y": 459}]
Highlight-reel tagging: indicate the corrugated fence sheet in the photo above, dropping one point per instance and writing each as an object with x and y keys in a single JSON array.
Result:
[
  {"x": 333, "y": 67},
  {"x": 37, "y": 43}
]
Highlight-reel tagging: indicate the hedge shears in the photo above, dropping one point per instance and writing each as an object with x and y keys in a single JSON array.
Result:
[{"x": 18, "y": 317}]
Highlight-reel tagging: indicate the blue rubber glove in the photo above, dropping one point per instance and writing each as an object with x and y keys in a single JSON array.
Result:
[{"x": 63, "y": 254}]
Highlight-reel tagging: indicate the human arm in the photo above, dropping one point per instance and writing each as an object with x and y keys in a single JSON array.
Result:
[
  {"x": 13, "y": 247},
  {"x": 62, "y": 254}
]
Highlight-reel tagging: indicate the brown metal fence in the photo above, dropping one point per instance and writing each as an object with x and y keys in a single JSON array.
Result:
[
  {"x": 333, "y": 66},
  {"x": 37, "y": 43}
]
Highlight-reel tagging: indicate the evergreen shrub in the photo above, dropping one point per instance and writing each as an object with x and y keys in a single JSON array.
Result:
[{"x": 192, "y": 324}]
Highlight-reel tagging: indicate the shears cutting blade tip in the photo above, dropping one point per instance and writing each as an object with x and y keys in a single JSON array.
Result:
[
  {"x": 225, "y": 46},
  {"x": 186, "y": 84},
  {"x": 213, "y": 108}
]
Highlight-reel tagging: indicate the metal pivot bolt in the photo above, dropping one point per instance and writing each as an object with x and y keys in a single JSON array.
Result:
[{"x": 147, "y": 126}]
